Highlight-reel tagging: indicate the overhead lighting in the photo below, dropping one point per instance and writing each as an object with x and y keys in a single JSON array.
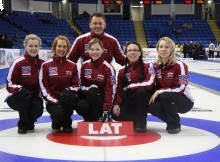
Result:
[
  {"x": 63, "y": 1},
  {"x": 209, "y": 1}
]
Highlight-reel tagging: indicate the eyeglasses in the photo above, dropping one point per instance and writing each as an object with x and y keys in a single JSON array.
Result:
[{"x": 134, "y": 50}]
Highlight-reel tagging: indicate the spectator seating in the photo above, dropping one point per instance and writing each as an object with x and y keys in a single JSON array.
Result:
[
  {"x": 195, "y": 30},
  {"x": 8, "y": 29},
  {"x": 121, "y": 29},
  {"x": 45, "y": 25}
]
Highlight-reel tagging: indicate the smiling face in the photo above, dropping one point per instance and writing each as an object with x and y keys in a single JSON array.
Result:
[
  {"x": 95, "y": 51},
  {"x": 133, "y": 53},
  {"x": 164, "y": 50},
  {"x": 61, "y": 48},
  {"x": 97, "y": 25},
  {"x": 32, "y": 47}
]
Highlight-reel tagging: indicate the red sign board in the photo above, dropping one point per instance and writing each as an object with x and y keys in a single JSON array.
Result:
[
  {"x": 147, "y": 2},
  {"x": 105, "y": 129},
  {"x": 188, "y": 1}
]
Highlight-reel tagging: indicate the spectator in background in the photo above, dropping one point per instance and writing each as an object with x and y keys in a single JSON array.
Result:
[
  {"x": 210, "y": 13},
  {"x": 211, "y": 50},
  {"x": 185, "y": 49},
  {"x": 170, "y": 22},
  {"x": 1, "y": 41},
  {"x": 218, "y": 49},
  {"x": 23, "y": 85},
  {"x": 6, "y": 41},
  {"x": 196, "y": 51},
  {"x": 206, "y": 13},
  {"x": 112, "y": 47},
  {"x": 202, "y": 51},
  {"x": 190, "y": 49},
  {"x": 59, "y": 85},
  {"x": 16, "y": 38}
]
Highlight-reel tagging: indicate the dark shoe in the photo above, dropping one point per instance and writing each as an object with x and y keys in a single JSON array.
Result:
[
  {"x": 22, "y": 131},
  {"x": 174, "y": 131},
  {"x": 30, "y": 127},
  {"x": 56, "y": 126},
  {"x": 67, "y": 129},
  {"x": 141, "y": 130}
]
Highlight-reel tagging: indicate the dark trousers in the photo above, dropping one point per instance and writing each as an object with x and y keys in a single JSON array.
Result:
[
  {"x": 29, "y": 109},
  {"x": 168, "y": 105},
  {"x": 60, "y": 116},
  {"x": 217, "y": 54},
  {"x": 184, "y": 54},
  {"x": 211, "y": 54},
  {"x": 190, "y": 54},
  {"x": 134, "y": 108},
  {"x": 90, "y": 107}
]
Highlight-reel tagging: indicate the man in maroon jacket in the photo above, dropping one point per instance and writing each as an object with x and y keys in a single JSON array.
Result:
[{"x": 112, "y": 47}]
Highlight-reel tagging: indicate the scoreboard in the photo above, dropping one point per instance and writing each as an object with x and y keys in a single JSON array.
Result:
[
  {"x": 148, "y": 2},
  {"x": 112, "y": 2},
  {"x": 199, "y": 1},
  {"x": 158, "y": 2},
  {"x": 188, "y": 1}
]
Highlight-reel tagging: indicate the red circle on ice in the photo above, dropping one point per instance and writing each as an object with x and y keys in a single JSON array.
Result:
[{"x": 74, "y": 139}]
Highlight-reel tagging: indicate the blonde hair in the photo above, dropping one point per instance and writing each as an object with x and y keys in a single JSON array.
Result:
[
  {"x": 170, "y": 42},
  {"x": 31, "y": 37},
  {"x": 94, "y": 41},
  {"x": 61, "y": 37}
]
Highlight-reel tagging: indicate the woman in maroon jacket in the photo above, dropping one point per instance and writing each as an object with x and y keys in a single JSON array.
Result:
[
  {"x": 172, "y": 95},
  {"x": 97, "y": 85},
  {"x": 23, "y": 85},
  {"x": 135, "y": 81},
  {"x": 59, "y": 85}
]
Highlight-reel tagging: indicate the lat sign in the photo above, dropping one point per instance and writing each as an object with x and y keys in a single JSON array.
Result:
[{"x": 105, "y": 129}]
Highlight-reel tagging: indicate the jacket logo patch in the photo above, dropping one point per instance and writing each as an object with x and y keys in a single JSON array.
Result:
[
  {"x": 26, "y": 70},
  {"x": 105, "y": 51},
  {"x": 152, "y": 70},
  {"x": 88, "y": 73},
  {"x": 86, "y": 47},
  {"x": 68, "y": 72},
  {"x": 128, "y": 75},
  {"x": 113, "y": 79},
  {"x": 53, "y": 71},
  {"x": 183, "y": 79},
  {"x": 100, "y": 76},
  {"x": 158, "y": 73},
  {"x": 170, "y": 75}
]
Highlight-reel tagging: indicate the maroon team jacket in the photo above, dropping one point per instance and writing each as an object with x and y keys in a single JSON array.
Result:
[
  {"x": 102, "y": 74},
  {"x": 173, "y": 78},
  {"x": 57, "y": 74},
  {"x": 24, "y": 72},
  {"x": 132, "y": 74},
  {"x": 111, "y": 48}
]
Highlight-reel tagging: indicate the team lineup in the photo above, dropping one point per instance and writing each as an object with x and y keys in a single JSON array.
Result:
[{"x": 95, "y": 92}]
